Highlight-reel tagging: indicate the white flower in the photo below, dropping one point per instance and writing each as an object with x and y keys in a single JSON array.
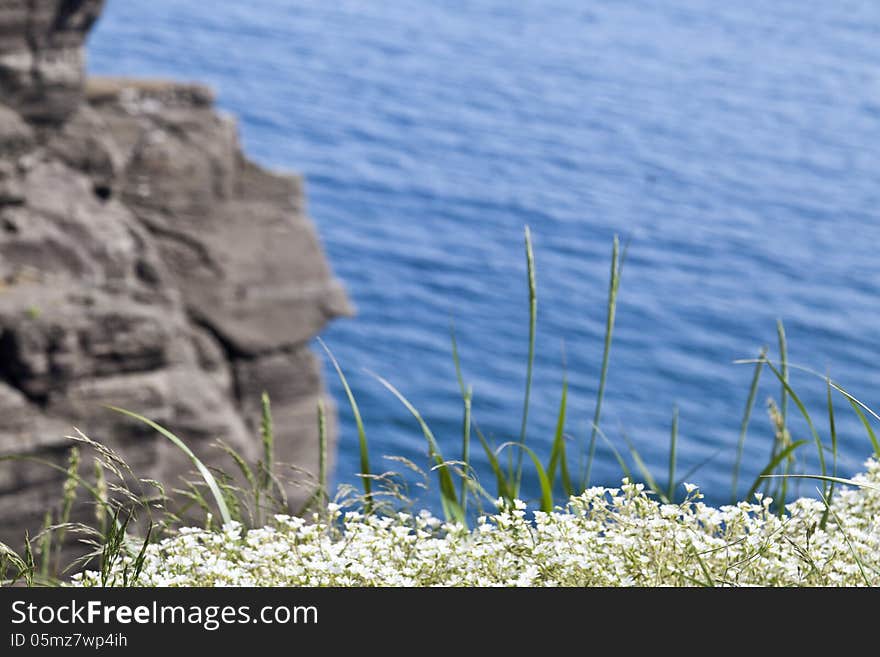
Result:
[{"x": 605, "y": 536}]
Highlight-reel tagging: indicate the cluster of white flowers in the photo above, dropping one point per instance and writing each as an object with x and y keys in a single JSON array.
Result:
[{"x": 606, "y": 537}]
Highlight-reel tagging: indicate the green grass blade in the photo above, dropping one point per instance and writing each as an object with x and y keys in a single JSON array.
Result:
[
  {"x": 456, "y": 360},
  {"x": 783, "y": 410},
  {"x": 854, "y": 401},
  {"x": 203, "y": 470},
  {"x": 195, "y": 498},
  {"x": 829, "y": 479},
  {"x": 68, "y": 500},
  {"x": 267, "y": 438},
  {"x": 643, "y": 469},
  {"x": 832, "y": 428},
  {"x": 80, "y": 480},
  {"x": 783, "y": 368},
  {"x": 828, "y": 509},
  {"x": 503, "y": 489},
  {"x": 620, "y": 460},
  {"x": 466, "y": 446},
  {"x": 248, "y": 474},
  {"x": 808, "y": 370},
  {"x": 695, "y": 468},
  {"x": 544, "y": 482},
  {"x": 533, "y": 317},
  {"x": 447, "y": 487},
  {"x": 467, "y": 396},
  {"x": 710, "y": 581},
  {"x": 744, "y": 426},
  {"x": 673, "y": 440},
  {"x": 11, "y": 557},
  {"x": 30, "y": 564},
  {"x": 558, "y": 456},
  {"x": 804, "y": 413},
  {"x": 141, "y": 557},
  {"x": 240, "y": 463},
  {"x": 45, "y": 545},
  {"x": 871, "y": 435},
  {"x": 362, "y": 436},
  {"x": 322, "y": 454},
  {"x": 613, "y": 287},
  {"x": 771, "y": 466},
  {"x": 783, "y": 489}
]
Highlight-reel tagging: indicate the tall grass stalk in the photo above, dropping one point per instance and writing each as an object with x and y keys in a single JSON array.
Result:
[
  {"x": 783, "y": 396},
  {"x": 783, "y": 368},
  {"x": 744, "y": 425},
  {"x": 466, "y": 447},
  {"x": 101, "y": 497},
  {"x": 558, "y": 455},
  {"x": 323, "y": 489},
  {"x": 267, "y": 464},
  {"x": 45, "y": 548},
  {"x": 366, "y": 475},
  {"x": 533, "y": 318},
  {"x": 30, "y": 568},
  {"x": 832, "y": 429},
  {"x": 613, "y": 287},
  {"x": 467, "y": 396},
  {"x": 673, "y": 442}
]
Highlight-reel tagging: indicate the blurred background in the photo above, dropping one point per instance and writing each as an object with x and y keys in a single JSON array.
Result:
[{"x": 735, "y": 145}]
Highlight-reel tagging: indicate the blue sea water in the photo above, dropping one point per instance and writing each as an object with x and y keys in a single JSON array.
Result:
[{"x": 736, "y": 145}]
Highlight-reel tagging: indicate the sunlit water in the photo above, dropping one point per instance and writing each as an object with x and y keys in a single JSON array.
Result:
[{"x": 736, "y": 145}]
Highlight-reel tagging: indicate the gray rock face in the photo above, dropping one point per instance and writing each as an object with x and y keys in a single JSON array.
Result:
[
  {"x": 41, "y": 56},
  {"x": 145, "y": 263}
]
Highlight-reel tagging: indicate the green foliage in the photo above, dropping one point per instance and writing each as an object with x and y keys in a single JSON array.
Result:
[{"x": 131, "y": 514}]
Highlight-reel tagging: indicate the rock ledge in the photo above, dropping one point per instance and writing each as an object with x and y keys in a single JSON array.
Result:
[{"x": 145, "y": 262}]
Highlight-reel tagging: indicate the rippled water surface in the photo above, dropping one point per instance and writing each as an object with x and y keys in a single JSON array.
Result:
[{"x": 736, "y": 145}]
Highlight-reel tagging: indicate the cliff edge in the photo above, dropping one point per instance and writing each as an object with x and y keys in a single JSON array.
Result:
[{"x": 146, "y": 263}]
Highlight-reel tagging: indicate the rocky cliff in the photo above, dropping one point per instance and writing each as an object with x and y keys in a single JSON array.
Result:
[{"x": 146, "y": 263}]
